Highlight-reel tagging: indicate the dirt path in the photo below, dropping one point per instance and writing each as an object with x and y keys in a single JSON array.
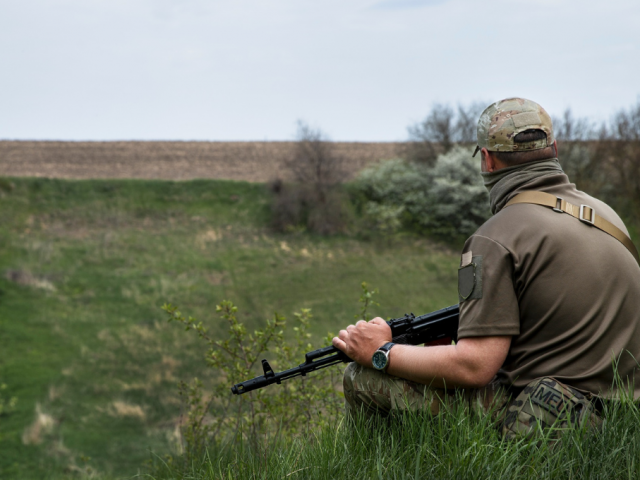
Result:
[{"x": 250, "y": 161}]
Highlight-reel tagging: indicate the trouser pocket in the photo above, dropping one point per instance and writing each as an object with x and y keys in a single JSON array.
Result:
[{"x": 547, "y": 404}]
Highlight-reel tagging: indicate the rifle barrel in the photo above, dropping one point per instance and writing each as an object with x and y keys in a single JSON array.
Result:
[
  {"x": 408, "y": 329},
  {"x": 300, "y": 370}
]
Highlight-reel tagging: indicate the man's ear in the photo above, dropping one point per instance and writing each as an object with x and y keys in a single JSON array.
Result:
[
  {"x": 555, "y": 148},
  {"x": 488, "y": 161}
]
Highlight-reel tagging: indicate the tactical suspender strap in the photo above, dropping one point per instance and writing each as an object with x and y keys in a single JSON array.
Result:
[{"x": 584, "y": 213}]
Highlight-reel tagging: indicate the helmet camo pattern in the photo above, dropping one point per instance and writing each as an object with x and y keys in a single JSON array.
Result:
[{"x": 503, "y": 120}]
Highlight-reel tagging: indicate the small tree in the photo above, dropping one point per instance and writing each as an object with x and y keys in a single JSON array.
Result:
[
  {"x": 621, "y": 153},
  {"x": 442, "y": 128},
  {"x": 467, "y": 122},
  {"x": 314, "y": 162},
  {"x": 313, "y": 198},
  {"x": 431, "y": 136},
  {"x": 568, "y": 128}
]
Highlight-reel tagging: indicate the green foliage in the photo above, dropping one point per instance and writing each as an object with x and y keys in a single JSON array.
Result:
[
  {"x": 366, "y": 299},
  {"x": 295, "y": 407},
  {"x": 382, "y": 218},
  {"x": 298, "y": 407},
  {"x": 459, "y": 200},
  {"x": 447, "y": 199}
]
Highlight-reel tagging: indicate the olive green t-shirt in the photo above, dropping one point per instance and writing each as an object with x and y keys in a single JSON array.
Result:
[{"x": 567, "y": 293}]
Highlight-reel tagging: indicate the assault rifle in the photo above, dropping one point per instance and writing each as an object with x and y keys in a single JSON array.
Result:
[{"x": 408, "y": 330}]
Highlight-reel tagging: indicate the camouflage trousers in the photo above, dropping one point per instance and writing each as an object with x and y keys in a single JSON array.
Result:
[
  {"x": 542, "y": 404},
  {"x": 375, "y": 392}
]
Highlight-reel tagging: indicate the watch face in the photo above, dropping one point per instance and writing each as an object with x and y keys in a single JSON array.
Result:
[{"x": 379, "y": 360}]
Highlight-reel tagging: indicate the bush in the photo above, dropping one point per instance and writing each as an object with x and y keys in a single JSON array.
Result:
[
  {"x": 296, "y": 407},
  {"x": 313, "y": 199},
  {"x": 447, "y": 199}
]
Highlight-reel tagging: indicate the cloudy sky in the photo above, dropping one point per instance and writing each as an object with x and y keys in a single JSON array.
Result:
[{"x": 360, "y": 70}]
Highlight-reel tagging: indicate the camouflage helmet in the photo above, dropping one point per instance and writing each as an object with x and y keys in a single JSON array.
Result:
[{"x": 502, "y": 121}]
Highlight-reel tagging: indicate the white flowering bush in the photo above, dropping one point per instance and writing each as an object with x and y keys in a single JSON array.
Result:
[{"x": 447, "y": 199}]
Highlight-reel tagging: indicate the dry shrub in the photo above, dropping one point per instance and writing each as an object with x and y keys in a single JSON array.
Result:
[
  {"x": 441, "y": 129},
  {"x": 604, "y": 159},
  {"x": 313, "y": 199}
]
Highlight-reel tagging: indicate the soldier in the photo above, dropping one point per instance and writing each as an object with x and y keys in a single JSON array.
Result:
[{"x": 549, "y": 292}]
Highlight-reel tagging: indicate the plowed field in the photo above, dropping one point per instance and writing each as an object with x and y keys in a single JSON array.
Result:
[{"x": 250, "y": 161}]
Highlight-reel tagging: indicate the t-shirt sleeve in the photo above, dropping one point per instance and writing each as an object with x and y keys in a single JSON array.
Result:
[{"x": 488, "y": 302}]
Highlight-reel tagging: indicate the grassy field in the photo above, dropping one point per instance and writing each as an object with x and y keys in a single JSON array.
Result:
[
  {"x": 453, "y": 445},
  {"x": 84, "y": 269}
]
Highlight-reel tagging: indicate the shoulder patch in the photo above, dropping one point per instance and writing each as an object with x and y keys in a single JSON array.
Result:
[{"x": 470, "y": 279}]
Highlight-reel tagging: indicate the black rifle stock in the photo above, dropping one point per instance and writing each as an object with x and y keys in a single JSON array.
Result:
[{"x": 408, "y": 330}]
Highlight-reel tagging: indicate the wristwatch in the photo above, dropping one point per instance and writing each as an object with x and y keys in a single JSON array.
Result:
[{"x": 380, "y": 358}]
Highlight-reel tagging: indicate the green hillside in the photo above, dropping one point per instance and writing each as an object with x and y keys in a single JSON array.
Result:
[{"x": 84, "y": 269}]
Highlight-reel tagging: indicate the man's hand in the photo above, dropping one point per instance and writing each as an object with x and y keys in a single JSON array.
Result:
[{"x": 361, "y": 340}]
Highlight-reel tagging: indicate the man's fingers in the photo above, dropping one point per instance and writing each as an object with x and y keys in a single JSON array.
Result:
[
  {"x": 343, "y": 335},
  {"x": 360, "y": 321},
  {"x": 339, "y": 344},
  {"x": 378, "y": 321}
]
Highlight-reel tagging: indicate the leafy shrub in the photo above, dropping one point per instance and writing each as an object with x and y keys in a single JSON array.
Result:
[
  {"x": 293, "y": 408},
  {"x": 459, "y": 200},
  {"x": 391, "y": 180},
  {"x": 385, "y": 190},
  {"x": 383, "y": 218},
  {"x": 447, "y": 199},
  {"x": 290, "y": 408}
]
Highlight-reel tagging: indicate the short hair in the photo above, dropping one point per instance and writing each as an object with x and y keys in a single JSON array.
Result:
[{"x": 518, "y": 157}]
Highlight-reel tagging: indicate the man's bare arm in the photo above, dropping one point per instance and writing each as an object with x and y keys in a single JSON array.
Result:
[{"x": 472, "y": 362}]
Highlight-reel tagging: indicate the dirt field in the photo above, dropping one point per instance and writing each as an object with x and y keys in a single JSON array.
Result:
[{"x": 250, "y": 161}]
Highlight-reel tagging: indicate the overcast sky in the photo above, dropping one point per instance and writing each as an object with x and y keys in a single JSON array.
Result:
[{"x": 360, "y": 70}]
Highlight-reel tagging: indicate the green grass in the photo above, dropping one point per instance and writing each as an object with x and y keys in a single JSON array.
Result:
[
  {"x": 453, "y": 445},
  {"x": 84, "y": 269}
]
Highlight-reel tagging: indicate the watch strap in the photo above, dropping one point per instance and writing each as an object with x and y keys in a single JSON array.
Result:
[{"x": 386, "y": 347}]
